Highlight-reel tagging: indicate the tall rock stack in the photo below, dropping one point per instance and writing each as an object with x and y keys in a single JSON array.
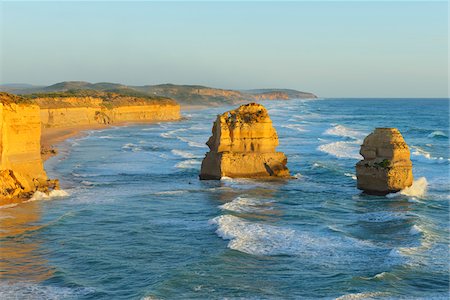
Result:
[
  {"x": 386, "y": 167},
  {"x": 243, "y": 144}
]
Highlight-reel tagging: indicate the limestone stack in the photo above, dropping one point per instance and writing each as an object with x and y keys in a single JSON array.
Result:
[
  {"x": 243, "y": 144},
  {"x": 386, "y": 167}
]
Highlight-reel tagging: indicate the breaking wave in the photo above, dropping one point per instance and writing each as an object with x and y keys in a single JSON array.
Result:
[
  {"x": 417, "y": 189},
  {"x": 423, "y": 153},
  {"x": 342, "y": 131},
  {"x": 248, "y": 205},
  {"x": 342, "y": 149},
  {"x": 44, "y": 196},
  {"x": 184, "y": 154},
  {"x": 131, "y": 147},
  {"x": 30, "y": 290},
  {"x": 437, "y": 134},
  {"x": 188, "y": 164}
]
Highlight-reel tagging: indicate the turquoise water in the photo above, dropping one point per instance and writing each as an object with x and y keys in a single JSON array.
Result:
[{"x": 138, "y": 224}]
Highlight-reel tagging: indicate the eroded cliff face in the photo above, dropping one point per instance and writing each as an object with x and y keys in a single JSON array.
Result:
[
  {"x": 386, "y": 167},
  {"x": 243, "y": 144},
  {"x": 61, "y": 112},
  {"x": 21, "y": 168}
]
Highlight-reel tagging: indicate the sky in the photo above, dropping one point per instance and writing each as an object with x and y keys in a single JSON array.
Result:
[{"x": 332, "y": 48}]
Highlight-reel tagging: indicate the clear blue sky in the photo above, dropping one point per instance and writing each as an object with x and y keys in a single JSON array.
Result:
[{"x": 334, "y": 49}]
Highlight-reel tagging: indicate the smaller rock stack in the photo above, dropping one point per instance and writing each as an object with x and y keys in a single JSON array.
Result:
[
  {"x": 386, "y": 167},
  {"x": 243, "y": 144}
]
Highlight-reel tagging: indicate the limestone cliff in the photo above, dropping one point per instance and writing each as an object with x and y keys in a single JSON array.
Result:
[
  {"x": 21, "y": 168},
  {"x": 103, "y": 108},
  {"x": 386, "y": 166},
  {"x": 243, "y": 144}
]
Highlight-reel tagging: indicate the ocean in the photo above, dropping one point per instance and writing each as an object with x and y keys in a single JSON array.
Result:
[{"x": 134, "y": 221}]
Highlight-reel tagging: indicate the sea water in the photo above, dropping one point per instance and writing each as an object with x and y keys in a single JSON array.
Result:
[{"x": 134, "y": 221}]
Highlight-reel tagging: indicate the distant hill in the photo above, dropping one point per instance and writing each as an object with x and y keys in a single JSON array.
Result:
[{"x": 184, "y": 94}]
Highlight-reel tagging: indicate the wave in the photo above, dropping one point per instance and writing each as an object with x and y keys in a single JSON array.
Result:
[
  {"x": 295, "y": 127},
  {"x": 132, "y": 147},
  {"x": 342, "y": 149},
  {"x": 342, "y": 131},
  {"x": 169, "y": 134},
  {"x": 358, "y": 296},
  {"x": 191, "y": 143},
  {"x": 184, "y": 154},
  {"x": 47, "y": 196},
  {"x": 188, "y": 164},
  {"x": 417, "y": 189},
  {"x": 31, "y": 290},
  {"x": 423, "y": 153},
  {"x": 248, "y": 205},
  {"x": 176, "y": 192},
  {"x": 437, "y": 134},
  {"x": 385, "y": 216},
  {"x": 264, "y": 239},
  {"x": 353, "y": 176}
]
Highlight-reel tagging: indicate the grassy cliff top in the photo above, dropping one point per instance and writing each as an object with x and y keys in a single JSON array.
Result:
[
  {"x": 83, "y": 98},
  {"x": 7, "y": 98}
]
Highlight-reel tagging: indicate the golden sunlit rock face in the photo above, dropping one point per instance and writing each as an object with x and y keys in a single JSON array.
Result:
[
  {"x": 243, "y": 144},
  {"x": 21, "y": 168},
  {"x": 59, "y": 112},
  {"x": 386, "y": 167}
]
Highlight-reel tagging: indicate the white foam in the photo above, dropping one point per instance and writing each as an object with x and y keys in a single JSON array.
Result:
[
  {"x": 353, "y": 176},
  {"x": 425, "y": 154},
  {"x": 106, "y": 137},
  {"x": 245, "y": 204},
  {"x": 188, "y": 164},
  {"x": 384, "y": 216},
  {"x": 264, "y": 239},
  {"x": 184, "y": 154},
  {"x": 132, "y": 147},
  {"x": 177, "y": 192},
  {"x": 417, "y": 189},
  {"x": 342, "y": 149},
  {"x": 8, "y": 205},
  {"x": 340, "y": 130},
  {"x": 30, "y": 290},
  {"x": 191, "y": 143},
  {"x": 44, "y": 196},
  {"x": 358, "y": 296},
  {"x": 295, "y": 127},
  {"x": 415, "y": 229},
  {"x": 169, "y": 134},
  {"x": 298, "y": 176},
  {"x": 437, "y": 133}
]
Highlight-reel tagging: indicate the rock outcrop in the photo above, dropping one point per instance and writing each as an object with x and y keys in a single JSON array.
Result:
[
  {"x": 386, "y": 167},
  {"x": 21, "y": 168},
  {"x": 243, "y": 144}
]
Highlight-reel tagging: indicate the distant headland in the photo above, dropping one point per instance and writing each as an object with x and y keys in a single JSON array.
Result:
[{"x": 185, "y": 95}]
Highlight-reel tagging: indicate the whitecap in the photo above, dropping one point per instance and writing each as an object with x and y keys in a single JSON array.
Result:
[
  {"x": 353, "y": 176},
  {"x": 264, "y": 239},
  {"x": 47, "y": 196},
  {"x": 384, "y": 216},
  {"x": 295, "y": 127},
  {"x": 246, "y": 204},
  {"x": 342, "y": 131},
  {"x": 191, "y": 143},
  {"x": 358, "y": 296},
  {"x": 415, "y": 229},
  {"x": 437, "y": 133},
  {"x": 176, "y": 192},
  {"x": 184, "y": 154},
  {"x": 132, "y": 147},
  {"x": 298, "y": 175},
  {"x": 417, "y": 189},
  {"x": 30, "y": 290},
  {"x": 169, "y": 134},
  {"x": 342, "y": 149},
  {"x": 188, "y": 164},
  {"x": 425, "y": 154}
]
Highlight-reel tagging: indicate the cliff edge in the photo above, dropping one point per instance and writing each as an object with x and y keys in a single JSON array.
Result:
[
  {"x": 243, "y": 144},
  {"x": 21, "y": 168}
]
